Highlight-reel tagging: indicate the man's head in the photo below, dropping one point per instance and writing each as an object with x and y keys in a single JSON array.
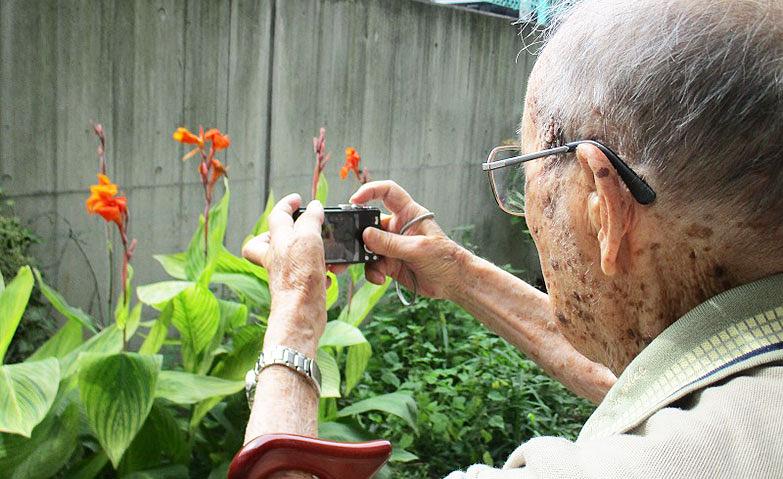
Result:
[{"x": 690, "y": 94}]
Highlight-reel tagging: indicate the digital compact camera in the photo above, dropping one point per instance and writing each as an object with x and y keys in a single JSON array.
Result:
[{"x": 342, "y": 233}]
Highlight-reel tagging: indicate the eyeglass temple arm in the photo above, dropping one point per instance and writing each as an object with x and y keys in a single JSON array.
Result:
[{"x": 639, "y": 188}]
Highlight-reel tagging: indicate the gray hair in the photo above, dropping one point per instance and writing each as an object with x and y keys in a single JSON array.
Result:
[{"x": 690, "y": 92}]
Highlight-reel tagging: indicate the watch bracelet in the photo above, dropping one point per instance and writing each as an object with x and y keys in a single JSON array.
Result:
[{"x": 285, "y": 356}]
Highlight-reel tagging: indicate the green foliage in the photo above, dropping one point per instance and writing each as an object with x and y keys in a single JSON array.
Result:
[
  {"x": 429, "y": 377},
  {"x": 117, "y": 393},
  {"x": 13, "y": 301},
  {"x": 478, "y": 397},
  {"x": 187, "y": 418},
  {"x": 15, "y": 243},
  {"x": 27, "y": 391}
]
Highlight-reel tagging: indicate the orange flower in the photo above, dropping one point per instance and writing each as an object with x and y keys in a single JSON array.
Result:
[
  {"x": 219, "y": 140},
  {"x": 183, "y": 135},
  {"x": 104, "y": 201},
  {"x": 352, "y": 160},
  {"x": 218, "y": 170}
]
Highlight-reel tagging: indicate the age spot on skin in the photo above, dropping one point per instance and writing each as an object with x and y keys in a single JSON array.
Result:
[
  {"x": 602, "y": 173},
  {"x": 698, "y": 231},
  {"x": 562, "y": 319}
]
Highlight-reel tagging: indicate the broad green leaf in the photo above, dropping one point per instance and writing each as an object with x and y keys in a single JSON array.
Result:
[
  {"x": 363, "y": 301},
  {"x": 107, "y": 341},
  {"x": 27, "y": 391},
  {"x": 401, "y": 404},
  {"x": 333, "y": 291},
  {"x": 13, "y": 302},
  {"x": 339, "y": 431},
  {"x": 156, "y": 294},
  {"x": 177, "y": 471},
  {"x": 356, "y": 272},
  {"x": 195, "y": 260},
  {"x": 341, "y": 334},
  {"x": 133, "y": 321},
  {"x": 247, "y": 343},
  {"x": 159, "y": 331},
  {"x": 401, "y": 455},
  {"x": 330, "y": 374},
  {"x": 173, "y": 264},
  {"x": 220, "y": 471},
  {"x": 117, "y": 393},
  {"x": 228, "y": 263},
  {"x": 89, "y": 467},
  {"x": 122, "y": 312},
  {"x": 59, "y": 303},
  {"x": 49, "y": 447},
  {"x": 355, "y": 364},
  {"x": 186, "y": 388},
  {"x": 323, "y": 189},
  {"x": 236, "y": 314},
  {"x": 197, "y": 318},
  {"x": 161, "y": 440},
  {"x": 262, "y": 225},
  {"x": 246, "y": 285},
  {"x": 68, "y": 338}
]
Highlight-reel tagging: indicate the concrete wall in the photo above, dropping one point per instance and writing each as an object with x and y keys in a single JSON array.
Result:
[{"x": 422, "y": 91}]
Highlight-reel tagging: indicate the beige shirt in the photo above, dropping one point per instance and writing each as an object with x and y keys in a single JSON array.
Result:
[{"x": 703, "y": 400}]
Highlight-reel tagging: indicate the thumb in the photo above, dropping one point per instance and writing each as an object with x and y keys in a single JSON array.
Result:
[{"x": 390, "y": 244}]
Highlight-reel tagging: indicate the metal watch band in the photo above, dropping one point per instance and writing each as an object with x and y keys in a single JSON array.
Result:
[{"x": 285, "y": 356}]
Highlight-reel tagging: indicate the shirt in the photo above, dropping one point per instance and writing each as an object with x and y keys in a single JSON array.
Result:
[{"x": 703, "y": 399}]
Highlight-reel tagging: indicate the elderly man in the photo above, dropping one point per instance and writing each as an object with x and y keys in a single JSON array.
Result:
[{"x": 671, "y": 282}]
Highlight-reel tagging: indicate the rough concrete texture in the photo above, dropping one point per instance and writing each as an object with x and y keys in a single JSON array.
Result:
[{"x": 423, "y": 92}]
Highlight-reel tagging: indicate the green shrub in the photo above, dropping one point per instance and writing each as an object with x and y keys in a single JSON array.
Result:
[
  {"x": 478, "y": 397},
  {"x": 15, "y": 243}
]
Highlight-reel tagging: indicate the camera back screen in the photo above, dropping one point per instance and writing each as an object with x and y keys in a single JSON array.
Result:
[{"x": 339, "y": 233}]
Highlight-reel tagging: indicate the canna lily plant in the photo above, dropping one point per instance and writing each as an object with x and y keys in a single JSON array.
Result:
[{"x": 163, "y": 398}]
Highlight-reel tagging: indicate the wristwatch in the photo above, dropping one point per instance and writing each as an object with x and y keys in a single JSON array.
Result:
[{"x": 285, "y": 356}]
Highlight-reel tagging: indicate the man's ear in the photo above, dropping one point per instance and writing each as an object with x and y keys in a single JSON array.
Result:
[{"x": 610, "y": 205}]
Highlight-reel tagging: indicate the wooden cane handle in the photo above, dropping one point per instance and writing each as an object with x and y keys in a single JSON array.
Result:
[{"x": 271, "y": 453}]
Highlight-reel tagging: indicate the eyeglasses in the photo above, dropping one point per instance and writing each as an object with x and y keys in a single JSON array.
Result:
[{"x": 505, "y": 167}]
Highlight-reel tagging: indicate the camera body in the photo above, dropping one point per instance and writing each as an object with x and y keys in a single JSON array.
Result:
[{"x": 342, "y": 233}]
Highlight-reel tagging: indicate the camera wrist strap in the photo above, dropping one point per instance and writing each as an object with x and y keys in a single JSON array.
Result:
[{"x": 406, "y": 227}]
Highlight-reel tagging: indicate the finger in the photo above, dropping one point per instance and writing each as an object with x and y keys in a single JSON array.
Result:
[
  {"x": 394, "y": 197},
  {"x": 385, "y": 220},
  {"x": 312, "y": 218},
  {"x": 376, "y": 272},
  {"x": 280, "y": 219},
  {"x": 374, "y": 276},
  {"x": 390, "y": 244},
  {"x": 337, "y": 268},
  {"x": 256, "y": 250}
]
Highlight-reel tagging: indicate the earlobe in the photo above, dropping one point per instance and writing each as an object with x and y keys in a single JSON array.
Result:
[{"x": 609, "y": 205}]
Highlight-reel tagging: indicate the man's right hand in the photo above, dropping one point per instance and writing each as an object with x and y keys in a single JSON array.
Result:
[{"x": 424, "y": 251}]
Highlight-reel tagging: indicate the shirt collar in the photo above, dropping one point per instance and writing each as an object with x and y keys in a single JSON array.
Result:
[{"x": 735, "y": 330}]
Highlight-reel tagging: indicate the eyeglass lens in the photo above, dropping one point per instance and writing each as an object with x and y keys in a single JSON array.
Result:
[{"x": 508, "y": 182}]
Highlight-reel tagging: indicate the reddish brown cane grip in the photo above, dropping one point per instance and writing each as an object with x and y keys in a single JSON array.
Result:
[{"x": 271, "y": 453}]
